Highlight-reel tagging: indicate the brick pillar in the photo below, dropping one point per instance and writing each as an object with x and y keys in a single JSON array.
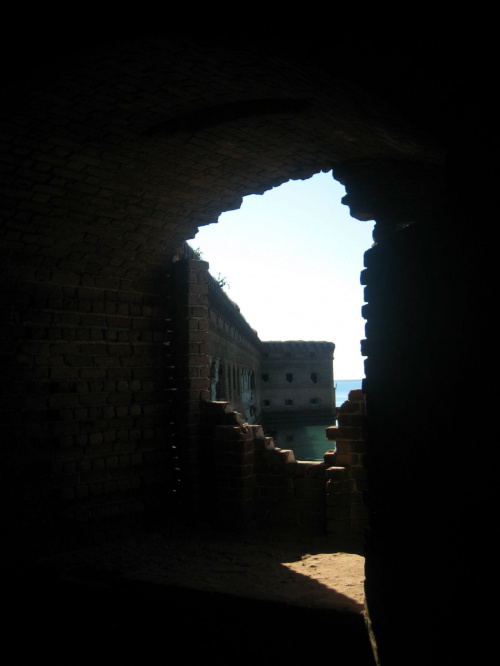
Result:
[
  {"x": 427, "y": 335},
  {"x": 346, "y": 474},
  {"x": 250, "y": 483},
  {"x": 234, "y": 476},
  {"x": 192, "y": 373}
]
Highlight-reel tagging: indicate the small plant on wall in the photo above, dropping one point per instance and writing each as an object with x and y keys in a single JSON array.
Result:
[{"x": 222, "y": 282}]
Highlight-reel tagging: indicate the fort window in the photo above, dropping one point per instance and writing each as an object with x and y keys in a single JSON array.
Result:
[
  {"x": 265, "y": 377},
  {"x": 314, "y": 377},
  {"x": 289, "y": 377},
  {"x": 288, "y": 402}
]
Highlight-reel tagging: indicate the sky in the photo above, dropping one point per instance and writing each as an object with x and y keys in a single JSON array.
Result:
[{"x": 292, "y": 259}]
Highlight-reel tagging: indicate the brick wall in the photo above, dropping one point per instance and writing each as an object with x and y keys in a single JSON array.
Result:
[
  {"x": 192, "y": 382},
  {"x": 111, "y": 157},
  {"x": 257, "y": 485},
  {"x": 235, "y": 355},
  {"x": 261, "y": 486},
  {"x": 346, "y": 511},
  {"x": 115, "y": 152}
]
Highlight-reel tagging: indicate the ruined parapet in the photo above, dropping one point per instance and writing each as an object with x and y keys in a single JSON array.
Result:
[
  {"x": 220, "y": 412},
  {"x": 346, "y": 474},
  {"x": 254, "y": 484},
  {"x": 234, "y": 476}
]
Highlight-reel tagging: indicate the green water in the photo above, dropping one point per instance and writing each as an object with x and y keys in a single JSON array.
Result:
[{"x": 308, "y": 442}]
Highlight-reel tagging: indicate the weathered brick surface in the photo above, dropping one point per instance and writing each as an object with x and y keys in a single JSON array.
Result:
[
  {"x": 274, "y": 490},
  {"x": 104, "y": 176},
  {"x": 347, "y": 476}
]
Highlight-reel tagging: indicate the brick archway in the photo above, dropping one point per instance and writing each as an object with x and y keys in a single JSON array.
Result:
[{"x": 111, "y": 161}]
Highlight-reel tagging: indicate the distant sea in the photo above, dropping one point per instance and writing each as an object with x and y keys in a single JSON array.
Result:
[
  {"x": 342, "y": 388},
  {"x": 308, "y": 442}
]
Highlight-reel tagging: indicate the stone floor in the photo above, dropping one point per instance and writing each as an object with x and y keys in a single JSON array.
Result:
[{"x": 199, "y": 595}]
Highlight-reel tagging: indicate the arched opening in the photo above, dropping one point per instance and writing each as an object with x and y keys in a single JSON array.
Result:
[
  {"x": 228, "y": 345},
  {"x": 291, "y": 261}
]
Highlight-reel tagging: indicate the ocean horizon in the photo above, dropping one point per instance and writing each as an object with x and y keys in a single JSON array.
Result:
[{"x": 342, "y": 388}]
